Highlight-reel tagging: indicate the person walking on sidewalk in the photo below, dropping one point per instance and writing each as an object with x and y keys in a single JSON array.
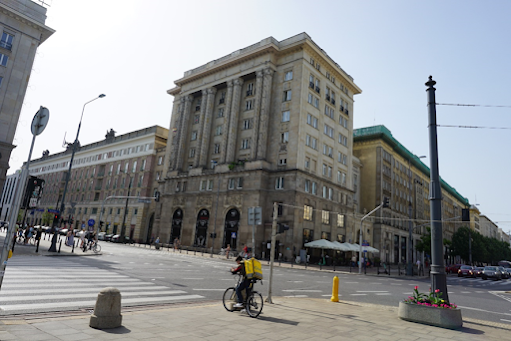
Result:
[{"x": 227, "y": 250}]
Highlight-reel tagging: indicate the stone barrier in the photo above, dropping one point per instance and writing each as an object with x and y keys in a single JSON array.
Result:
[{"x": 107, "y": 312}]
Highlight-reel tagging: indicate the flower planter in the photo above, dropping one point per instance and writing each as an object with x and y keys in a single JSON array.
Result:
[{"x": 440, "y": 317}]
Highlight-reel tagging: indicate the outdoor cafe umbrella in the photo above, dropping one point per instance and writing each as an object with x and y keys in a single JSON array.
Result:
[
  {"x": 342, "y": 246},
  {"x": 351, "y": 247},
  {"x": 321, "y": 244}
]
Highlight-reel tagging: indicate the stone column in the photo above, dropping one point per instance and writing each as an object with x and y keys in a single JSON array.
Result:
[
  {"x": 206, "y": 134},
  {"x": 202, "y": 114},
  {"x": 225, "y": 127},
  {"x": 257, "y": 111},
  {"x": 183, "y": 129},
  {"x": 265, "y": 115},
  {"x": 233, "y": 124},
  {"x": 174, "y": 134}
]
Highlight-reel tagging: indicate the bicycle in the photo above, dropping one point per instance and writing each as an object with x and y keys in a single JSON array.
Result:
[
  {"x": 94, "y": 246},
  {"x": 20, "y": 240},
  {"x": 253, "y": 299}
]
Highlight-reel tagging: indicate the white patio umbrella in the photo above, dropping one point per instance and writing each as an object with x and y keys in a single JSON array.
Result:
[
  {"x": 342, "y": 246},
  {"x": 351, "y": 247},
  {"x": 370, "y": 249}
]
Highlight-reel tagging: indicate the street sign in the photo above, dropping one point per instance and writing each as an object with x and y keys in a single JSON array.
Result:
[
  {"x": 53, "y": 211},
  {"x": 91, "y": 222},
  {"x": 145, "y": 201},
  {"x": 83, "y": 226},
  {"x": 255, "y": 215},
  {"x": 233, "y": 235},
  {"x": 40, "y": 121}
]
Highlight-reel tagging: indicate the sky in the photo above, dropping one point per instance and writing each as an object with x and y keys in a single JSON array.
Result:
[{"x": 132, "y": 51}]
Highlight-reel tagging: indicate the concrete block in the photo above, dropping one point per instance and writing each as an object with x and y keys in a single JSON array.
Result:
[
  {"x": 440, "y": 317},
  {"x": 107, "y": 312}
]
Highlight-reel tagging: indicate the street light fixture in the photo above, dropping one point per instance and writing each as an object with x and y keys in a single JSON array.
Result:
[
  {"x": 409, "y": 266},
  {"x": 53, "y": 247}
]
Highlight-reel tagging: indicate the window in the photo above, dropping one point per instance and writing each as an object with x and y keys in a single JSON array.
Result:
[
  {"x": 282, "y": 162},
  {"x": 143, "y": 165},
  {"x": 286, "y": 115},
  {"x": 240, "y": 183},
  {"x": 288, "y": 76},
  {"x": 3, "y": 59},
  {"x": 284, "y": 137},
  {"x": 196, "y": 119},
  {"x": 126, "y": 168},
  {"x": 157, "y": 176},
  {"x": 135, "y": 211},
  {"x": 192, "y": 152},
  {"x": 246, "y": 124},
  {"x": 314, "y": 188},
  {"x": 327, "y": 150},
  {"x": 194, "y": 135},
  {"x": 311, "y": 142},
  {"x": 245, "y": 144},
  {"x": 307, "y": 186},
  {"x": 197, "y": 105},
  {"x": 316, "y": 102},
  {"x": 325, "y": 217},
  {"x": 313, "y": 121},
  {"x": 220, "y": 112},
  {"x": 160, "y": 160},
  {"x": 279, "y": 183},
  {"x": 203, "y": 185},
  {"x": 216, "y": 148},
  {"x": 287, "y": 96},
  {"x": 307, "y": 212},
  {"x": 343, "y": 140},
  {"x": 235, "y": 183},
  {"x": 343, "y": 122},
  {"x": 329, "y": 131},
  {"x": 133, "y": 170},
  {"x": 340, "y": 220},
  {"x": 218, "y": 130},
  {"x": 317, "y": 85},
  {"x": 329, "y": 172},
  {"x": 312, "y": 61},
  {"x": 250, "y": 89},
  {"x": 140, "y": 180},
  {"x": 222, "y": 98},
  {"x": 342, "y": 158},
  {"x": 329, "y": 111},
  {"x": 330, "y": 193},
  {"x": 210, "y": 185},
  {"x": 325, "y": 192},
  {"x": 325, "y": 169},
  {"x": 249, "y": 105},
  {"x": 6, "y": 41},
  {"x": 307, "y": 162}
]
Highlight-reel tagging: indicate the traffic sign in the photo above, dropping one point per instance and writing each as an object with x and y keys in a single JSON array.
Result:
[
  {"x": 91, "y": 222},
  {"x": 255, "y": 215},
  {"x": 53, "y": 211},
  {"x": 233, "y": 235},
  {"x": 83, "y": 226}
]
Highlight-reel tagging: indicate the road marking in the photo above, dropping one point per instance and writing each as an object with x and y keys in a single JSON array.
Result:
[
  {"x": 465, "y": 292},
  {"x": 374, "y": 283},
  {"x": 295, "y": 281},
  {"x": 486, "y": 311},
  {"x": 301, "y": 290},
  {"x": 193, "y": 278},
  {"x": 395, "y": 284},
  {"x": 81, "y": 290},
  {"x": 358, "y": 294},
  {"x": 385, "y": 294},
  {"x": 350, "y": 282},
  {"x": 505, "y": 320},
  {"x": 371, "y": 291},
  {"x": 297, "y": 296},
  {"x": 208, "y": 289}
]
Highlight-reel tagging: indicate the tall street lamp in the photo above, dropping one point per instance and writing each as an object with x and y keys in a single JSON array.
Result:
[
  {"x": 53, "y": 247},
  {"x": 409, "y": 266},
  {"x": 123, "y": 226}
]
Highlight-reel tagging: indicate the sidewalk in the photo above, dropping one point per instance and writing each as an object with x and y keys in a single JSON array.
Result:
[{"x": 286, "y": 319}]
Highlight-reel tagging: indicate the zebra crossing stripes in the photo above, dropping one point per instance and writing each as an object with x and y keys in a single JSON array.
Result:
[{"x": 41, "y": 284}]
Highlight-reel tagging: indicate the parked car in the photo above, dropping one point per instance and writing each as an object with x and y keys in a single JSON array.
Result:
[
  {"x": 466, "y": 271},
  {"x": 63, "y": 231},
  {"x": 505, "y": 274},
  {"x": 108, "y": 237},
  {"x": 491, "y": 272},
  {"x": 508, "y": 271},
  {"x": 116, "y": 238},
  {"x": 101, "y": 235},
  {"x": 453, "y": 268},
  {"x": 478, "y": 270}
]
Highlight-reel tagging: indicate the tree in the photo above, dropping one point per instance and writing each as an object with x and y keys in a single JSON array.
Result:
[
  {"x": 424, "y": 244},
  {"x": 47, "y": 218}
]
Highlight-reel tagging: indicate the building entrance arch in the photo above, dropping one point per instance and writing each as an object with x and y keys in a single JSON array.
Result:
[
  {"x": 201, "y": 228},
  {"x": 232, "y": 222},
  {"x": 177, "y": 223}
]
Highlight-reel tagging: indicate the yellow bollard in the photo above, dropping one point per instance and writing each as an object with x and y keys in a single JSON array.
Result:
[{"x": 335, "y": 290}]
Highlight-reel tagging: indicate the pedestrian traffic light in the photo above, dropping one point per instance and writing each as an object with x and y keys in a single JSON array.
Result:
[{"x": 385, "y": 202}]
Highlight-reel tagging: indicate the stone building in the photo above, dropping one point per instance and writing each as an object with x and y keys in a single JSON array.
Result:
[
  {"x": 488, "y": 227},
  {"x": 23, "y": 30},
  {"x": 7, "y": 198},
  {"x": 390, "y": 170},
  {"x": 271, "y": 122},
  {"x": 127, "y": 165}
]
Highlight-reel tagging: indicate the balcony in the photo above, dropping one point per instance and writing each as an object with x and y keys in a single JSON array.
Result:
[
  {"x": 347, "y": 112},
  {"x": 311, "y": 85},
  {"x": 332, "y": 101},
  {"x": 317, "y": 89},
  {"x": 327, "y": 97}
]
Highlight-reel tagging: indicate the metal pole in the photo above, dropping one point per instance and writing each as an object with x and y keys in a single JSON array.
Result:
[
  {"x": 123, "y": 226},
  {"x": 272, "y": 249},
  {"x": 438, "y": 276},
  {"x": 20, "y": 191},
  {"x": 469, "y": 246},
  {"x": 360, "y": 251},
  {"x": 253, "y": 236}
]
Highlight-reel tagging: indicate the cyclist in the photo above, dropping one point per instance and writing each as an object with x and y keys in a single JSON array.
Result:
[{"x": 243, "y": 284}]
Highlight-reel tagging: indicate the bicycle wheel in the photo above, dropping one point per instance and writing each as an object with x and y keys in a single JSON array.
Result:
[
  {"x": 96, "y": 248},
  {"x": 229, "y": 298},
  {"x": 19, "y": 240},
  {"x": 254, "y": 304}
]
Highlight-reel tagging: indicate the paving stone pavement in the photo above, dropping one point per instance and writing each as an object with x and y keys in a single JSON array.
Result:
[{"x": 285, "y": 319}]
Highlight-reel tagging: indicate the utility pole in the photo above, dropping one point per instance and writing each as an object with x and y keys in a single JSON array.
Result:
[
  {"x": 123, "y": 226},
  {"x": 272, "y": 249},
  {"x": 438, "y": 276}
]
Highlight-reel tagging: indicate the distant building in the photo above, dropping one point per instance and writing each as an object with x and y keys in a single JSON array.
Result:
[
  {"x": 488, "y": 228},
  {"x": 125, "y": 165},
  {"x": 271, "y": 122},
  {"x": 390, "y": 170},
  {"x": 23, "y": 30},
  {"x": 8, "y": 195}
]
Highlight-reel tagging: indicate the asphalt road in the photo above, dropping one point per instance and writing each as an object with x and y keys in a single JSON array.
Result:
[{"x": 195, "y": 278}]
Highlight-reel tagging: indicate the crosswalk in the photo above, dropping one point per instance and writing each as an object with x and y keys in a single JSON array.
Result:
[
  {"x": 477, "y": 282},
  {"x": 34, "y": 284}
]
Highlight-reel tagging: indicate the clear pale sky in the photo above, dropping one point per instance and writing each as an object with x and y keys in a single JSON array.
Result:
[{"x": 132, "y": 51}]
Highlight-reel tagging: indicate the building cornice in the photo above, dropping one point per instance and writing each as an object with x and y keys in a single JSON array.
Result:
[{"x": 46, "y": 31}]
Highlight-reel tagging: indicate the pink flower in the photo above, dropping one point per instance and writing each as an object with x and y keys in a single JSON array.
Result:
[
  {"x": 416, "y": 287},
  {"x": 434, "y": 305},
  {"x": 437, "y": 290}
]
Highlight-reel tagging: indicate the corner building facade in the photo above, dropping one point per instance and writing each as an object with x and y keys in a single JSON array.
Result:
[{"x": 268, "y": 123}]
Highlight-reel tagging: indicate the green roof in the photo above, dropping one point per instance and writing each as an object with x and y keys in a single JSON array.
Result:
[{"x": 381, "y": 132}]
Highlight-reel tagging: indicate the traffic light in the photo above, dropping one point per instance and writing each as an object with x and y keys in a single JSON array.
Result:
[
  {"x": 465, "y": 214},
  {"x": 157, "y": 196},
  {"x": 385, "y": 202},
  {"x": 281, "y": 228}
]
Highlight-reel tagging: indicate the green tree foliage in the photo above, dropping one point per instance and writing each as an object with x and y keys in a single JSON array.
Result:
[
  {"x": 47, "y": 218},
  {"x": 484, "y": 249},
  {"x": 424, "y": 244}
]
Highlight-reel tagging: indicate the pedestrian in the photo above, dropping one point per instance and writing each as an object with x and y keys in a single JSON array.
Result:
[
  {"x": 38, "y": 234},
  {"x": 418, "y": 265},
  {"x": 82, "y": 237},
  {"x": 227, "y": 250},
  {"x": 176, "y": 243},
  {"x": 245, "y": 250}
]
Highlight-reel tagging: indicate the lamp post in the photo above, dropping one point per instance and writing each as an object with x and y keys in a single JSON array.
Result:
[
  {"x": 123, "y": 226},
  {"x": 409, "y": 267},
  {"x": 53, "y": 247}
]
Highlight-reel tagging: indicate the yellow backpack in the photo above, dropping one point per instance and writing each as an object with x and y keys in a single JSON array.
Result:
[{"x": 253, "y": 269}]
